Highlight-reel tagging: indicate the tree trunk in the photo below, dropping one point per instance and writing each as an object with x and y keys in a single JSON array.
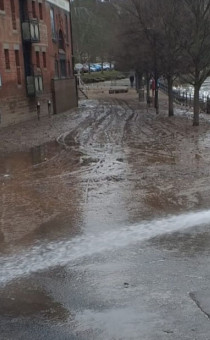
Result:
[
  {"x": 156, "y": 93},
  {"x": 137, "y": 85},
  {"x": 138, "y": 80},
  {"x": 170, "y": 97},
  {"x": 140, "y": 75},
  {"x": 196, "y": 106},
  {"x": 102, "y": 64},
  {"x": 148, "y": 87}
]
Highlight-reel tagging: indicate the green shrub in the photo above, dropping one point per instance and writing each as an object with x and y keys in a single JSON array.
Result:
[{"x": 96, "y": 77}]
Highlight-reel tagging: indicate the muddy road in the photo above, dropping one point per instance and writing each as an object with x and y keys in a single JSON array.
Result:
[{"x": 104, "y": 224}]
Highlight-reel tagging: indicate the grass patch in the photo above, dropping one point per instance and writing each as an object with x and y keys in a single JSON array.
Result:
[{"x": 96, "y": 77}]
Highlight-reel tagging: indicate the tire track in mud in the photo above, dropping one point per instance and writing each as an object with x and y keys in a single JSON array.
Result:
[
  {"x": 144, "y": 129},
  {"x": 113, "y": 118},
  {"x": 121, "y": 115},
  {"x": 115, "y": 124},
  {"x": 159, "y": 138},
  {"x": 139, "y": 134},
  {"x": 68, "y": 141},
  {"x": 104, "y": 120},
  {"x": 99, "y": 131},
  {"x": 103, "y": 130},
  {"x": 113, "y": 129},
  {"x": 108, "y": 132},
  {"x": 87, "y": 122},
  {"x": 121, "y": 123},
  {"x": 89, "y": 130}
]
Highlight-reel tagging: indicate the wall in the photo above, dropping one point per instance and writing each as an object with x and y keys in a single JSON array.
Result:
[
  {"x": 15, "y": 105},
  {"x": 64, "y": 94},
  {"x": 16, "y": 109},
  {"x": 10, "y": 39}
]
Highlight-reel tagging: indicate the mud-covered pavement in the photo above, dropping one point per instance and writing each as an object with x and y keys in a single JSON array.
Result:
[{"x": 104, "y": 225}]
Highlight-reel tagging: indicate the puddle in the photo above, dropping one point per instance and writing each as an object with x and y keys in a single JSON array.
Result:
[
  {"x": 24, "y": 300},
  {"x": 34, "y": 198},
  {"x": 88, "y": 103},
  {"x": 16, "y": 162}
]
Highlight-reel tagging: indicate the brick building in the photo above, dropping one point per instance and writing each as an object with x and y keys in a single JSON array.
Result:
[{"x": 35, "y": 59}]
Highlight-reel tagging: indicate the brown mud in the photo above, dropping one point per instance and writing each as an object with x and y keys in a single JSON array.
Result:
[{"x": 112, "y": 160}]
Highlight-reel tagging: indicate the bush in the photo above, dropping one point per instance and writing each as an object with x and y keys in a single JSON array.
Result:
[{"x": 96, "y": 77}]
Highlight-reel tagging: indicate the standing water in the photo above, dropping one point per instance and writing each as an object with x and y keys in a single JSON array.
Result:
[{"x": 42, "y": 257}]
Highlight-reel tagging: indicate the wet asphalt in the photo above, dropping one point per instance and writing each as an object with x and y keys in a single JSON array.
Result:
[{"x": 104, "y": 231}]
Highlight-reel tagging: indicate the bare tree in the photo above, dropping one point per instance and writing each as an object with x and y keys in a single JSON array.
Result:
[
  {"x": 196, "y": 43},
  {"x": 170, "y": 16},
  {"x": 160, "y": 20},
  {"x": 167, "y": 37},
  {"x": 84, "y": 28},
  {"x": 93, "y": 29}
]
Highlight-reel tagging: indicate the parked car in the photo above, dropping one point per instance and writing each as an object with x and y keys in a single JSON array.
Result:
[
  {"x": 93, "y": 68},
  {"x": 107, "y": 66},
  {"x": 85, "y": 68},
  {"x": 98, "y": 67}
]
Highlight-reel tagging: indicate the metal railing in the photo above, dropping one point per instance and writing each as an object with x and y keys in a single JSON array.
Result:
[
  {"x": 34, "y": 81},
  {"x": 186, "y": 98},
  {"x": 30, "y": 30},
  {"x": 82, "y": 87}
]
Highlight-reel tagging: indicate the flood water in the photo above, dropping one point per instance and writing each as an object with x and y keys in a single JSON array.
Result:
[{"x": 104, "y": 232}]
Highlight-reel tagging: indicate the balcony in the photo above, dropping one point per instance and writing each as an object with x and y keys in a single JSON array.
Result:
[
  {"x": 34, "y": 85},
  {"x": 30, "y": 30}
]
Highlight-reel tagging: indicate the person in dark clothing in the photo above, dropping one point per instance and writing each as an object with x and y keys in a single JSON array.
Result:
[{"x": 131, "y": 80}]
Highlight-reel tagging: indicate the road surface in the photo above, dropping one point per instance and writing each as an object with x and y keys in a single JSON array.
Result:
[{"x": 104, "y": 230}]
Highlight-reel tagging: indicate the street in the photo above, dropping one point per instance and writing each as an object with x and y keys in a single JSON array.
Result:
[{"x": 104, "y": 224}]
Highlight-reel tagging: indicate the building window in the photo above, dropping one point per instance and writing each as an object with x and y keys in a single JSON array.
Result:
[
  {"x": 37, "y": 60},
  {"x": 63, "y": 68},
  {"x": 67, "y": 27},
  {"x": 7, "y": 61},
  {"x": 17, "y": 58},
  {"x": 61, "y": 41},
  {"x": 52, "y": 20},
  {"x": 34, "y": 9},
  {"x": 44, "y": 59},
  {"x": 12, "y": 4},
  {"x": 40, "y": 11},
  {"x": 17, "y": 61},
  {"x": 1, "y": 5}
]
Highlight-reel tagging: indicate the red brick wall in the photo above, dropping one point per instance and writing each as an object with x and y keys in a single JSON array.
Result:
[
  {"x": 60, "y": 19},
  {"x": 10, "y": 39},
  {"x": 15, "y": 105},
  {"x": 16, "y": 109}
]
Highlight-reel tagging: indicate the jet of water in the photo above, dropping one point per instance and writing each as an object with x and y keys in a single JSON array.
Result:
[{"x": 42, "y": 257}]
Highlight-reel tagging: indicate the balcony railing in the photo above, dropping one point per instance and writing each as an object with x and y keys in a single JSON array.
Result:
[
  {"x": 34, "y": 85},
  {"x": 30, "y": 29}
]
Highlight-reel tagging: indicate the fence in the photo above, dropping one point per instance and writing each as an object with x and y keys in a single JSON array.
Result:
[{"x": 186, "y": 98}]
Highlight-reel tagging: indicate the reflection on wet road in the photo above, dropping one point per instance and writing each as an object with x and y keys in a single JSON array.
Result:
[{"x": 104, "y": 232}]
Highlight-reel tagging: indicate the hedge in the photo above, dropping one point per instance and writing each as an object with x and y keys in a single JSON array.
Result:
[{"x": 96, "y": 77}]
